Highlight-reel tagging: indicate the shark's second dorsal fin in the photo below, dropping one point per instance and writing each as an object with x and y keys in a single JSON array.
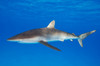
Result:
[{"x": 51, "y": 24}]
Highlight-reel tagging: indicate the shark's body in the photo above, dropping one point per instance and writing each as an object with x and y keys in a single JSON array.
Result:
[{"x": 44, "y": 35}]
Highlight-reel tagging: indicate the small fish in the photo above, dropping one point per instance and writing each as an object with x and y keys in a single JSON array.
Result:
[{"x": 47, "y": 34}]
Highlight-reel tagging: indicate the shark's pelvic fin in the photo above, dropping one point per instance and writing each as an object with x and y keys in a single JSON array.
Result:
[
  {"x": 62, "y": 40},
  {"x": 46, "y": 44},
  {"x": 51, "y": 24},
  {"x": 83, "y": 36}
]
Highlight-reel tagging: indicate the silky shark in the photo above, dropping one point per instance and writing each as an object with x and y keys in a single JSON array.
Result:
[{"x": 47, "y": 34}]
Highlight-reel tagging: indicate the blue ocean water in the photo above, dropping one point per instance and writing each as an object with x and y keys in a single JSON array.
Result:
[{"x": 73, "y": 16}]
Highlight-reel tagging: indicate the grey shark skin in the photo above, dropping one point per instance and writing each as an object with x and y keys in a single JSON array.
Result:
[{"x": 47, "y": 34}]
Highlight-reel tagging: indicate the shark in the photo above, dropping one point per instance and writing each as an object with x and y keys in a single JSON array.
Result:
[{"x": 48, "y": 34}]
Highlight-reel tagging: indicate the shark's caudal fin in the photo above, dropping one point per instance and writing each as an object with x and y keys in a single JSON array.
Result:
[{"x": 83, "y": 36}]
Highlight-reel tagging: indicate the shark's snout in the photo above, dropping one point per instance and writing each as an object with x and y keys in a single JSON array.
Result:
[{"x": 11, "y": 39}]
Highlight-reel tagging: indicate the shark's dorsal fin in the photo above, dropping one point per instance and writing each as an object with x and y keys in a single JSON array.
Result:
[{"x": 51, "y": 24}]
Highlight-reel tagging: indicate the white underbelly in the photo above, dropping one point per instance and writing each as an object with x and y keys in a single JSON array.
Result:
[
  {"x": 30, "y": 40},
  {"x": 36, "y": 40}
]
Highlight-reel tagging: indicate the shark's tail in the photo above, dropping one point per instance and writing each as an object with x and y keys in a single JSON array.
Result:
[{"x": 83, "y": 36}]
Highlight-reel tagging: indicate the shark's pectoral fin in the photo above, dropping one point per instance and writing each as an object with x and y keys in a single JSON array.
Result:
[{"x": 46, "y": 44}]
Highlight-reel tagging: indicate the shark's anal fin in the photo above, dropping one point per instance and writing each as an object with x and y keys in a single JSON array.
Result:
[
  {"x": 52, "y": 24},
  {"x": 46, "y": 44},
  {"x": 71, "y": 39}
]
